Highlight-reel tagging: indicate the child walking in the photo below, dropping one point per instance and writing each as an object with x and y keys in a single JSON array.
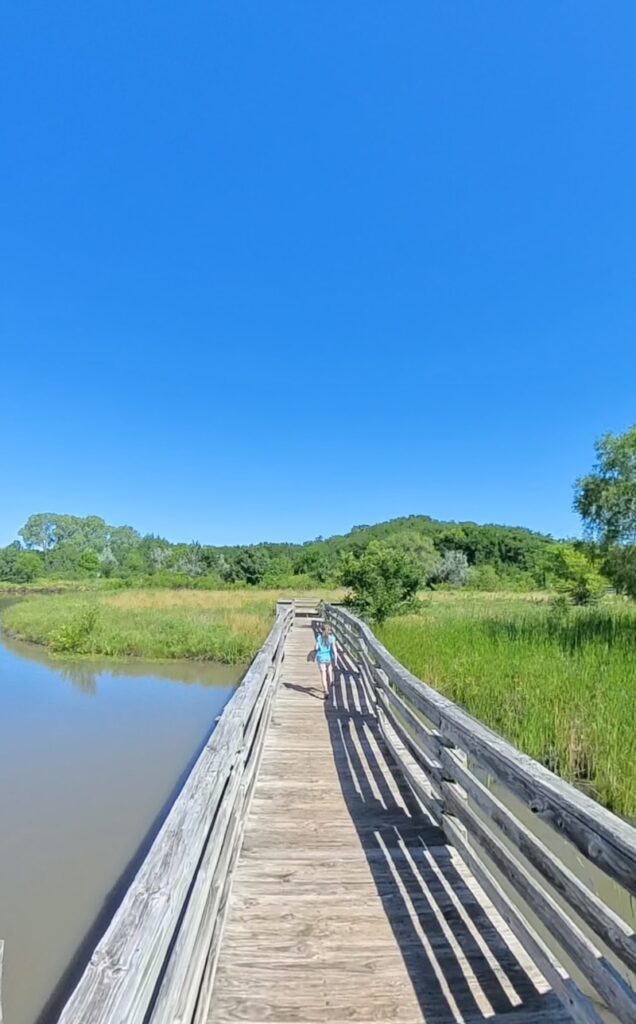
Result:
[{"x": 326, "y": 656}]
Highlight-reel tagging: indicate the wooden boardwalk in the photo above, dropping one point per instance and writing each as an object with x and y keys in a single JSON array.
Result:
[{"x": 347, "y": 902}]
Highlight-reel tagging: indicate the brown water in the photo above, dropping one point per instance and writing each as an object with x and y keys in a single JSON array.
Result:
[{"x": 91, "y": 754}]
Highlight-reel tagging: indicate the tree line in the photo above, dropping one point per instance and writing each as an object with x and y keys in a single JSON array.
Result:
[
  {"x": 426, "y": 551},
  {"x": 51, "y": 546}
]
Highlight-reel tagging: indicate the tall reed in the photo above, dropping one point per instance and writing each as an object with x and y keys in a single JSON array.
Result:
[{"x": 560, "y": 685}]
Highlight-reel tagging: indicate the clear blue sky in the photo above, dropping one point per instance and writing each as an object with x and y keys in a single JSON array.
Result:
[{"x": 270, "y": 269}]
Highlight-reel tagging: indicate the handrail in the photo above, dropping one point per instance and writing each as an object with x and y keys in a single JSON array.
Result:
[
  {"x": 156, "y": 962},
  {"x": 436, "y": 745}
]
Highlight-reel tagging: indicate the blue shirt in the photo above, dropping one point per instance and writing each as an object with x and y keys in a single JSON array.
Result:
[{"x": 323, "y": 650}]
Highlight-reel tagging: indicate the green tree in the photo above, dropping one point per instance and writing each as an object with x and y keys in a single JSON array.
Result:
[
  {"x": 122, "y": 540},
  {"x": 578, "y": 576},
  {"x": 39, "y": 531},
  {"x": 484, "y": 577},
  {"x": 606, "y": 497},
  {"x": 89, "y": 563},
  {"x": 418, "y": 547},
  {"x": 381, "y": 580},
  {"x": 313, "y": 560},
  {"x": 19, "y": 566},
  {"x": 247, "y": 565},
  {"x": 519, "y": 557},
  {"x": 606, "y": 501}
]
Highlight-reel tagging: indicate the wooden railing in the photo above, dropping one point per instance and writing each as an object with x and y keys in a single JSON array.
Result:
[
  {"x": 447, "y": 756},
  {"x": 156, "y": 962}
]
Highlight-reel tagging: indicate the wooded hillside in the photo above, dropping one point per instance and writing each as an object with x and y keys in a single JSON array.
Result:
[{"x": 52, "y": 546}]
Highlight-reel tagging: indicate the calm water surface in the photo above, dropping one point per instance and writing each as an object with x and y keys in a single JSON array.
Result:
[{"x": 90, "y": 756}]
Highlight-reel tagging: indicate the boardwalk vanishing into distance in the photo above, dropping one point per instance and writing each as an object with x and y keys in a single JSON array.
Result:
[
  {"x": 348, "y": 904},
  {"x": 337, "y": 858}
]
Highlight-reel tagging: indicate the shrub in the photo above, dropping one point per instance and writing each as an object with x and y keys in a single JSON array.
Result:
[
  {"x": 578, "y": 577},
  {"x": 382, "y": 580},
  {"x": 70, "y": 637},
  {"x": 210, "y": 582},
  {"x": 484, "y": 577},
  {"x": 453, "y": 570},
  {"x": 17, "y": 566}
]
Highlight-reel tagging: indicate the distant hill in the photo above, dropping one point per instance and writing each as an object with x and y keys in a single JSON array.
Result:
[{"x": 63, "y": 546}]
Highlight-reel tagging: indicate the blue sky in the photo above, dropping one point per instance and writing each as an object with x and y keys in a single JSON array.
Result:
[{"x": 272, "y": 269}]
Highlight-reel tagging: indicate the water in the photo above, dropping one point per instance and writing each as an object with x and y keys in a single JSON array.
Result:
[{"x": 91, "y": 754}]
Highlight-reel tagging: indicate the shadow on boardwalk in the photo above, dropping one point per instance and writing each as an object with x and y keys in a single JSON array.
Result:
[{"x": 460, "y": 966}]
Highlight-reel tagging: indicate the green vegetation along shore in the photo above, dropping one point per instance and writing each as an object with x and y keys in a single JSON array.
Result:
[
  {"x": 226, "y": 627},
  {"x": 558, "y": 682}
]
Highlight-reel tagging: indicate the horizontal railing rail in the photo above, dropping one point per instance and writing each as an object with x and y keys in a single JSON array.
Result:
[
  {"x": 156, "y": 962},
  {"x": 442, "y": 750}
]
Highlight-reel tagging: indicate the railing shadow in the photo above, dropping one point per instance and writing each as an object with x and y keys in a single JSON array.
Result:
[{"x": 458, "y": 963}]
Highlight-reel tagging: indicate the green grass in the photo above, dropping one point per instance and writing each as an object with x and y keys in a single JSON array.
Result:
[
  {"x": 561, "y": 687},
  {"x": 227, "y": 627},
  {"x": 49, "y": 585}
]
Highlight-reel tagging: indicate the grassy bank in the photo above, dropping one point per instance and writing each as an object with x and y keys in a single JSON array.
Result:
[
  {"x": 226, "y": 626},
  {"x": 53, "y": 586},
  {"x": 560, "y": 685}
]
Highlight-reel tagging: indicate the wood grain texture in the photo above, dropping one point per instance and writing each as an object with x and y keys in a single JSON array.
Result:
[
  {"x": 613, "y": 989},
  {"x": 446, "y": 753},
  {"x": 444, "y": 764},
  {"x": 347, "y": 902},
  {"x": 145, "y": 939},
  {"x": 599, "y": 835},
  {"x": 609, "y": 927},
  {"x": 573, "y": 1000}
]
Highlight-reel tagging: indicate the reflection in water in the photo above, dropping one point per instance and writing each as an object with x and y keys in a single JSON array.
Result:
[
  {"x": 82, "y": 679},
  {"x": 82, "y": 784}
]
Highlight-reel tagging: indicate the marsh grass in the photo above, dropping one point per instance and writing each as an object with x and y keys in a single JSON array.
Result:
[
  {"x": 224, "y": 626},
  {"x": 559, "y": 685}
]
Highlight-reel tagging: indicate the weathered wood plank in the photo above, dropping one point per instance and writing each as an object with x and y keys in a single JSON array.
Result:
[
  {"x": 285, "y": 1011},
  {"x": 604, "y": 839},
  {"x": 419, "y": 740},
  {"x": 337, "y": 912},
  {"x": 580, "y": 1009},
  {"x": 119, "y": 983},
  {"x": 611, "y": 928},
  {"x": 607, "y": 924},
  {"x": 218, "y": 915},
  {"x": 421, "y": 784},
  {"x": 602, "y": 975},
  {"x": 178, "y": 992}
]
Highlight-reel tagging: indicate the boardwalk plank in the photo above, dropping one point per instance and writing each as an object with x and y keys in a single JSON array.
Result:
[{"x": 348, "y": 904}]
